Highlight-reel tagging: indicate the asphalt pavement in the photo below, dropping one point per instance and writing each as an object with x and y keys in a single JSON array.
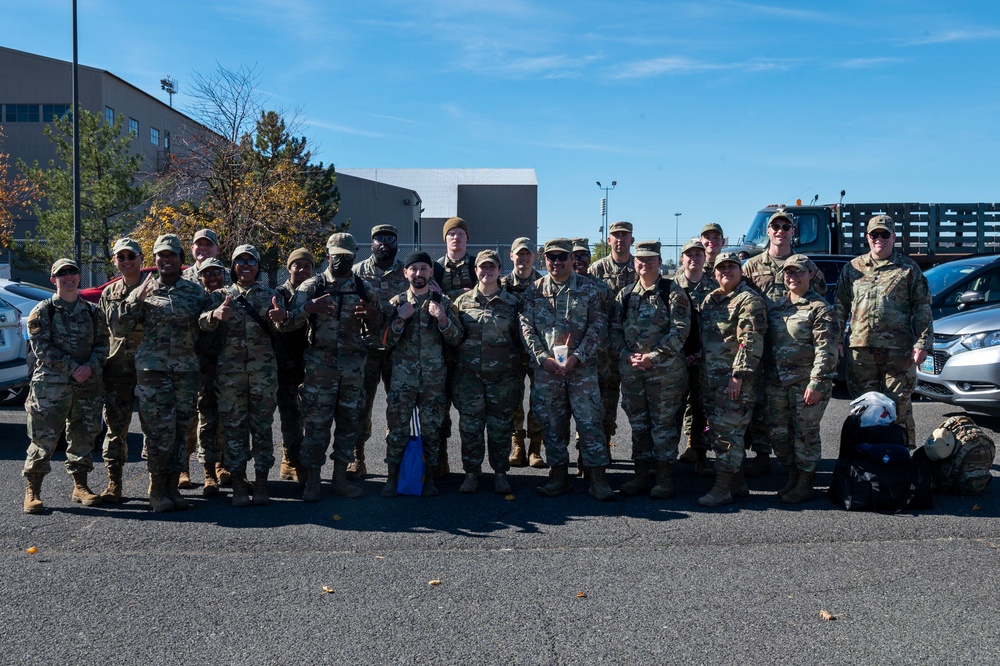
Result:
[{"x": 491, "y": 579}]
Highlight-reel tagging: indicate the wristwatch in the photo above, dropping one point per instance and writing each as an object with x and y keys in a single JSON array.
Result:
[{"x": 737, "y": 375}]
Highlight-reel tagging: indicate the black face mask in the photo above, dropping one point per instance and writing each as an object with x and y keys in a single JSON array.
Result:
[
  {"x": 385, "y": 252},
  {"x": 341, "y": 264}
]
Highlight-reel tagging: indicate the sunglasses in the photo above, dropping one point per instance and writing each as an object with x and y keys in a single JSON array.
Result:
[
  {"x": 246, "y": 262},
  {"x": 67, "y": 271},
  {"x": 881, "y": 235},
  {"x": 384, "y": 238},
  {"x": 781, "y": 227},
  {"x": 557, "y": 256},
  {"x": 212, "y": 272},
  {"x": 125, "y": 256},
  {"x": 581, "y": 255}
]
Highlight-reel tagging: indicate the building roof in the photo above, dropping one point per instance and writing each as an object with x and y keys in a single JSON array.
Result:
[{"x": 438, "y": 188}]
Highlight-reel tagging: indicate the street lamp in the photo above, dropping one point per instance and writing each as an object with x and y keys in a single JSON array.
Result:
[
  {"x": 604, "y": 205},
  {"x": 677, "y": 236}
]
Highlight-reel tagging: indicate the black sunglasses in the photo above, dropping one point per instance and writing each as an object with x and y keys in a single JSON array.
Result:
[
  {"x": 245, "y": 262},
  {"x": 211, "y": 272},
  {"x": 881, "y": 235},
  {"x": 384, "y": 238},
  {"x": 67, "y": 271},
  {"x": 781, "y": 227},
  {"x": 125, "y": 256},
  {"x": 557, "y": 256}
]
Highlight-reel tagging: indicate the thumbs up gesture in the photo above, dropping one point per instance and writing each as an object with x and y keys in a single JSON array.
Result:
[
  {"x": 277, "y": 312},
  {"x": 225, "y": 311}
]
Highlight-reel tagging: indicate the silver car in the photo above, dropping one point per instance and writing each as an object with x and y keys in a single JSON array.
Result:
[
  {"x": 13, "y": 368},
  {"x": 964, "y": 368}
]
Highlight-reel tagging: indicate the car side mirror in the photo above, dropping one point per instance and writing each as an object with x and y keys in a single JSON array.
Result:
[{"x": 970, "y": 298}]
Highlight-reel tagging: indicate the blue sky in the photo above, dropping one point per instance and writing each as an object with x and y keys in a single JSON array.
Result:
[{"x": 711, "y": 109}]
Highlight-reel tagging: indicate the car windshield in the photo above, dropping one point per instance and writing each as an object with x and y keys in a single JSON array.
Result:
[
  {"x": 29, "y": 291},
  {"x": 943, "y": 276},
  {"x": 757, "y": 233}
]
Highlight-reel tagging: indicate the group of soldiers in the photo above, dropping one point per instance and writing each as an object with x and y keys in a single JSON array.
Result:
[{"x": 741, "y": 356}]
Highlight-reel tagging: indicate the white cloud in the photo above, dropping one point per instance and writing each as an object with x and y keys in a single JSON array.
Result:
[{"x": 954, "y": 36}]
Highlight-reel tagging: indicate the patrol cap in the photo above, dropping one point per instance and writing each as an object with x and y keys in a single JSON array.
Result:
[
  {"x": 384, "y": 229},
  {"x": 581, "y": 245},
  {"x": 647, "y": 249},
  {"x": 246, "y": 249},
  {"x": 692, "y": 245},
  {"x": 881, "y": 222},
  {"x": 341, "y": 243},
  {"x": 171, "y": 243},
  {"x": 621, "y": 225},
  {"x": 61, "y": 264},
  {"x": 417, "y": 257},
  {"x": 734, "y": 257},
  {"x": 126, "y": 243},
  {"x": 488, "y": 256},
  {"x": 558, "y": 245},
  {"x": 940, "y": 444},
  {"x": 206, "y": 233},
  {"x": 711, "y": 226},
  {"x": 211, "y": 263},
  {"x": 299, "y": 254},
  {"x": 799, "y": 261},
  {"x": 522, "y": 243},
  {"x": 782, "y": 215}
]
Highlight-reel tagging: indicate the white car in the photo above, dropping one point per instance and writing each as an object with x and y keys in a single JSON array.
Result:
[{"x": 20, "y": 297}]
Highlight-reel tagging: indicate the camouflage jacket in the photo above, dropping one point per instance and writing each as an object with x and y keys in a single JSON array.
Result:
[
  {"x": 888, "y": 302},
  {"x": 650, "y": 322},
  {"x": 457, "y": 277},
  {"x": 491, "y": 343},
  {"x": 339, "y": 341},
  {"x": 732, "y": 330},
  {"x": 169, "y": 321},
  {"x": 418, "y": 343},
  {"x": 696, "y": 292},
  {"x": 803, "y": 332},
  {"x": 617, "y": 277},
  {"x": 764, "y": 273},
  {"x": 291, "y": 344},
  {"x": 387, "y": 283},
  {"x": 512, "y": 284},
  {"x": 65, "y": 336},
  {"x": 568, "y": 314},
  {"x": 121, "y": 359},
  {"x": 247, "y": 346}
]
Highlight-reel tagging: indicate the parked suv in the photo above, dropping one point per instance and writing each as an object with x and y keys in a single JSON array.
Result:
[{"x": 13, "y": 367}]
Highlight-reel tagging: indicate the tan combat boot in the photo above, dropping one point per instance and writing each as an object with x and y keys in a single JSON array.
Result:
[
  {"x": 358, "y": 470},
  {"x": 113, "y": 493},
  {"x": 313, "y": 489},
  {"x": 664, "y": 488},
  {"x": 391, "y": 481},
  {"x": 260, "y": 496},
  {"x": 759, "y": 465},
  {"x": 33, "y": 493},
  {"x": 719, "y": 494},
  {"x": 803, "y": 491},
  {"x": 535, "y": 454},
  {"x": 599, "y": 488},
  {"x": 341, "y": 486},
  {"x": 241, "y": 494},
  {"x": 639, "y": 483},
  {"x": 287, "y": 471},
  {"x": 517, "y": 456},
  {"x": 159, "y": 501},
  {"x": 793, "y": 480},
  {"x": 81, "y": 493},
  {"x": 180, "y": 503},
  {"x": 690, "y": 455},
  {"x": 221, "y": 473},
  {"x": 211, "y": 486},
  {"x": 558, "y": 482},
  {"x": 184, "y": 477}
]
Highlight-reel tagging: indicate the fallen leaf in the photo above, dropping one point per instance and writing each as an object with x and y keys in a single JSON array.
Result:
[
  {"x": 977, "y": 508},
  {"x": 380, "y": 557},
  {"x": 32, "y": 550},
  {"x": 328, "y": 590},
  {"x": 436, "y": 581},
  {"x": 336, "y": 516},
  {"x": 825, "y": 615},
  {"x": 581, "y": 595},
  {"x": 509, "y": 497},
  {"x": 611, "y": 443}
]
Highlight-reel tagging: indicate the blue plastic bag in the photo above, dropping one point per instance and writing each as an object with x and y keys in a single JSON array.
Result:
[{"x": 411, "y": 467}]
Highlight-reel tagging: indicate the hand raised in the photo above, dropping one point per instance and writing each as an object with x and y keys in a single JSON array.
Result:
[
  {"x": 277, "y": 312},
  {"x": 225, "y": 311},
  {"x": 405, "y": 311},
  {"x": 323, "y": 304}
]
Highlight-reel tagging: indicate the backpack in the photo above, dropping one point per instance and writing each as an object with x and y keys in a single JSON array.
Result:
[{"x": 967, "y": 470}]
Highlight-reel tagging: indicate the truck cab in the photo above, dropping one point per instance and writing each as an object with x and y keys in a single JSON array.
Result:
[{"x": 812, "y": 230}]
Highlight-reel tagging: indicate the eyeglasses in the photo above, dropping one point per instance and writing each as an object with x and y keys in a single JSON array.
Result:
[
  {"x": 245, "y": 262},
  {"x": 125, "y": 256},
  {"x": 62, "y": 272},
  {"x": 880, "y": 235},
  {"x": 581, "y": 255},
  {"x": 211, "y": 272},
  {"x": 556, "y": 256},
  {"x": 781, "y": 227},
  {"x": 384, "y": 238},
  {"x": 794, "y": 272}
]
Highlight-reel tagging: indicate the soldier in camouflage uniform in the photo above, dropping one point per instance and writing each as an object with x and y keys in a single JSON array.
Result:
[
  {"x": 618, "y": 272},
  {"x": 167, "y": 308},
  {"x": 204, "y": 434},
  {"x": 763, "y": 272},
  {"x": 384, "y": 271},
  {"x": 119, "y": 371},
  {"x": 422, "y": 324},
  {"x": 343, "y": 313},
  {"x": 733, "y": 324},
  {"x": 521, "y": 278},
  {"x": 205, "y": 246},
  {"x": 802, "y": 331},
  {"x": 487, "y": 370},
  {"x": 886, "y": 298},
  {"x": 713, "y": 240},
  {"x": 247, "y": 372},
  {"x": 563, "y": 323},
  {"x": 69, "y": 338},
  {"x": 290, "y": 353}
]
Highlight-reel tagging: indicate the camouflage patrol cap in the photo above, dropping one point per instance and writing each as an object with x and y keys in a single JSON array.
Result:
[
  {"x": 940, "y": 444},
  {"x": 692, "y": 245},
  {"x": 169, "y": 243},
  {"x": 205, "y": 233},
  {"x": 558, "y": 245},
  {"x": 246, "y": 249},
  {"x": 782, "y": 215},
  {"x": 384, "y": 229},
  {"x": 211, "y": 263},
  {"x": 799, "y": 261},
  {"x": 881, "y": 222},
  {"x": 341, "y": 243},
  {"x": 647, "y": 249},
  {"x": 711, "y": 226},
  {"x": 61, "y": 264},
  {"x": 621, "y": 225},
  {"x": 581, "y": 245},
  {"x": 522, "y": 243},
  {"x": 126, "y": 243},
  {"x": 488, "y": 256},
  {"x": 733, "y": 257}
]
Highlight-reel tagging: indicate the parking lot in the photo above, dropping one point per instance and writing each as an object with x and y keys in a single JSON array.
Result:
[{"x": 521, "y": 580}]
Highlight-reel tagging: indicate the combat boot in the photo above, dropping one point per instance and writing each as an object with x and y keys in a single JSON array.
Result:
[
  {"x": 158, "y": 499},
  {"x": 241, "y": 495},
  {"x": 287, "y": 471},
  {"x": 690, "y": 455},
  {"x": 664, "y": 488},
  {"x": 501, "y": 485},
  {"x": 470, "y": 484},
  {"x": 260, "y": 497},
  {"x": 639, "y": 483},
  {"x": 357, "y": 470},
  {"x": 113, "y": 493},
  {"x": 33, "y": 493},
  {"x": 341, "y": 486},
  {"x": 221, "y": 473},
  {"x": 535, "y": 454},
  {"x": 793, "y": 480},
  {"x": 599, "y": 488},
  {"x": 81, "y": 493},
  {"x": 430, "y": 490},
  {"x": 701, "y": 466},
  {"x": 719, "y": 494},
  {"x": 180, "y": 503},
  {"x": 558, "y": 482},
  {"x": 211, "y": 486},
  {"x": 738, "y": 485},
  {"x": 442, "y": 469},
  {"x": 517, "y": 456},
  {"x": 391, "y": 481},
  {"x": 314, "y": 486},
  {"x": 759, "y": 465},
  {"x": 803, "y": 491},
  {"x": 184, "y": 478}
]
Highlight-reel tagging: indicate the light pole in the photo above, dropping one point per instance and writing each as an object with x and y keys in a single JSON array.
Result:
[
  {"x": 677, "y": 237},
  {"x": 604, "y": 206}
]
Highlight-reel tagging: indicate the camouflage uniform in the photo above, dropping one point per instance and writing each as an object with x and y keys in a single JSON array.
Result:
[
  {"x": 693, "y": 414},
  {"x": 119, "y": 375},
  {"x": 567, "y": 314},
  {"x": 418, "y": 373},
  {"x": 525, "y": 368},
  {"x": 64, "y": 336},
  {"x": 290, "y": 357},
  {"x": 803, "y": 332},
  {"x": 649, "y": 321},
  {"x": 732, "y": 334},
  {"x": 167, "y": 366},
  {"x": 333, "y": 389},
  {"x": 487, "y": 361},
  {"x": 617, "y": 278},
  {"x": 888, "y": 303},
  {"x": 456, "y": 278},
  {"x": 246, "y": 377}
]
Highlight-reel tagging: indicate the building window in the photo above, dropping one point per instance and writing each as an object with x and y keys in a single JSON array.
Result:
[
  {"x": 109, "y": 115},
  {"x": 154, "y": 136},
  {"x": 22, "y": 113},
  {"x": 53, "y": 112},
  {"x": 133, "y": 126},
  {"x": 166, "y": 140}
]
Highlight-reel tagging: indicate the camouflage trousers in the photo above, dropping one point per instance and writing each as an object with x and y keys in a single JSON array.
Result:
[
  {"x": 651, "y": 400},
  {"x": 758, "y": 437},
  {"x": 166, "y": 406},
  {"x": 609, "y": 378},
  {"x": 246, "y": 411},
  {"x": 727, "y": 420},
  {"x": 794, "y": 425},
  {"x": 292, "y": 423},
  {"x": 207, "y": 433},
  {"x": 378, "y": 368},
  {"x": 888, "y": 371},
  {"x": 119, "y": 403},
  {"x": 326, "y": 397},
  {"x": 53, "y": 407},
  {"x": 430, "y": 399},
  {"x": 485, "y": 402},
  {"x": 534, "y": 430},
  {"x": 554, "y": 398},
  {"x": 691, "y": 419}
]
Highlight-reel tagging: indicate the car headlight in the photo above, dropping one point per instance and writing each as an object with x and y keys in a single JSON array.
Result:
[{"x": 981, "y": 340}]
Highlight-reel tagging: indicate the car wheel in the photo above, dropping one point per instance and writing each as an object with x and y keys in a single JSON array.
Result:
[{"x": 13, "y": 396}]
